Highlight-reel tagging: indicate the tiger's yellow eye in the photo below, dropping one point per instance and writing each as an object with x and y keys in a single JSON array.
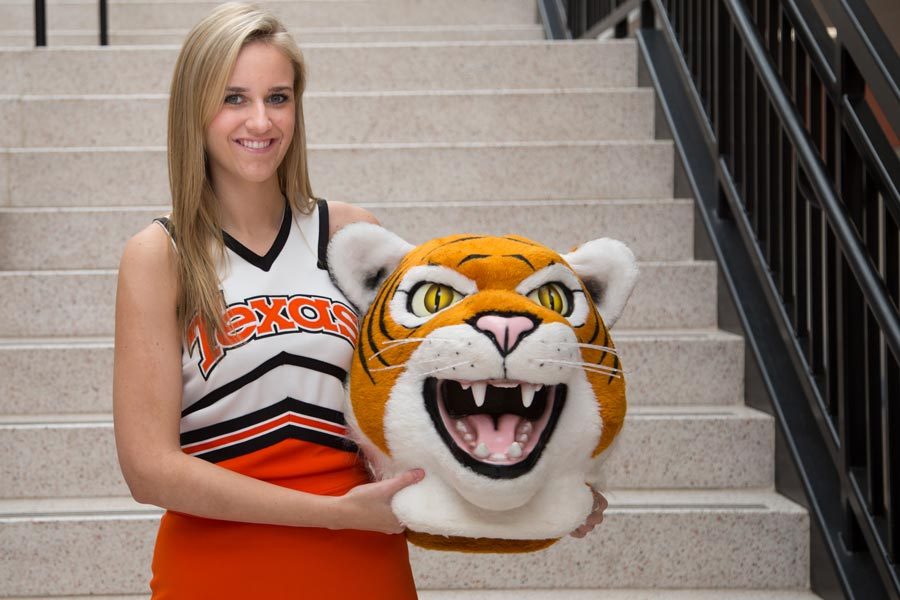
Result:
[
  {"x": 430, "y": 298},
  {"x": 552, "y": 296}
]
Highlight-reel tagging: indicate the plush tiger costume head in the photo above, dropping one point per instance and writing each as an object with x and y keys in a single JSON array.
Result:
[{"x": 484, "y": 361}]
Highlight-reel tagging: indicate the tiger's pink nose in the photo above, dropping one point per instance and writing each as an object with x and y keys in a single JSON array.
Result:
[{"x": 505, "y": 331}]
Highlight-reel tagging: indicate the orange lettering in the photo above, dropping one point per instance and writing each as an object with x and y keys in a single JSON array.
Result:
[{"x": 347, "y": 322}]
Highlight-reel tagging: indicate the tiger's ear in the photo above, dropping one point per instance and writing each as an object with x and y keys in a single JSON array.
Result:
[
  {"x": 609, "y": 271},
  {"x": 360, "y": 258}
]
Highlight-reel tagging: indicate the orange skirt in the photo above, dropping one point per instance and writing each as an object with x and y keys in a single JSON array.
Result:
[{"x": 200, "y": 559}]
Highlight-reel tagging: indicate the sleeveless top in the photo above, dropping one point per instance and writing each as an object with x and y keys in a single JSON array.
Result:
[
  {"x": 277, "y": 374},
  {"x": 266, "y": 402}
]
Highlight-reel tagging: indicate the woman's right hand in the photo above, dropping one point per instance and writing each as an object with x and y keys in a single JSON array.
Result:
[{"x": 368, "y": 506}]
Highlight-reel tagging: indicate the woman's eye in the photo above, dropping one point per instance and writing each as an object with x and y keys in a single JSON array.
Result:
[
  {"x": 552, "y": 296},
  {"x": 429, "y": 298},
  {"x": 279, "y": 98},
  {"x": 233, "y": 99}
]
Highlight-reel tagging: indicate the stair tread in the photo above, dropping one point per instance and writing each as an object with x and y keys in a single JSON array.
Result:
[
  {"x": 701, "y": 411},
  {"x": 655, "y": 500}
]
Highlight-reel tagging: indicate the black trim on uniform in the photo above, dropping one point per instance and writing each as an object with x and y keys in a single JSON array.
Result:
[
  {"x": 264, "y": 414},
  {"x": 167, "y": 224},
  {"x": 288, "y": 432},
  {"x": 262, "y": 262},
  {"x": 323, "y": 234},
  {"x": 282, "y": 358}
]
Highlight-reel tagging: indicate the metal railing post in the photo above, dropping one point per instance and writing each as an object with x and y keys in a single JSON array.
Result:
[{"x": 40, "y": 23}]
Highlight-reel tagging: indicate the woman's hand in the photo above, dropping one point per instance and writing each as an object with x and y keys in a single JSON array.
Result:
[
  {"x": 368, "y": 506},
  {"x": 593, "y": 519}
]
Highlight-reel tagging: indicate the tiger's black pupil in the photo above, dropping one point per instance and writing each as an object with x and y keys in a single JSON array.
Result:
[
  {"x": 551, "y": 298},
  {"x": 437, "y": 298}
]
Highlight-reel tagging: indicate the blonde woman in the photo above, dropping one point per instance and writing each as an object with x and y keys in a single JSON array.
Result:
[{"x": 232, "y": 343}]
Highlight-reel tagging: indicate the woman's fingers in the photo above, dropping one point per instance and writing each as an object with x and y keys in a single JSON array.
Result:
[{"x": 594, "y": 518}]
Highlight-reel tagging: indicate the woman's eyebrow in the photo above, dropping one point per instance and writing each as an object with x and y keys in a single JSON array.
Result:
[{"x": 277, "y": 88}]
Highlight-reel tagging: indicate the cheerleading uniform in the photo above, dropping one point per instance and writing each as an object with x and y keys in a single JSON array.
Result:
[{"x": 265, "y": 401}]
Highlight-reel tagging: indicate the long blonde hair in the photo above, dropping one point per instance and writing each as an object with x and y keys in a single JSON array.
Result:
[{"x": 198, "y": 88}]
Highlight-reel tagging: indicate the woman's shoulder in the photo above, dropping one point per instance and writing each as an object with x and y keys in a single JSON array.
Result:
[
  {"x": 341, "y": 214},
  {"x": 149, "y": 252}
]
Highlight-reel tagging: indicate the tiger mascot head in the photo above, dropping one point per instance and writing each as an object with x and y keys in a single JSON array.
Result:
[{"x": 486, "y": 361}]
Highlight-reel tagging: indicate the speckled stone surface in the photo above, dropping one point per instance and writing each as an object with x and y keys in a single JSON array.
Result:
[
  {"x": 491, "y": 116},
  {"x": 46, "y": 121},
  {"x": 682, "y": 368},
  {"x": 492, "y": 172},
  {"x": 691, "y": 447},
  {"x": 344, "y": 68},
  {"x": 59, "y": 459},
  {"x": 304, "y": 35},
  {"x": 85, "y": 176},
  {"x": 360, "y": 173},
  {"x": 11, "y": 130},
  {"x": 94, "y": 238},
  {"x": 658, "y": 448},
  {"x": 81, "y": 303},
  {"x": 81, "y": 381},
  {"x": 57, "y": 303},
  {"x": 648, "y": 539},
  {"x": 677, "y": 295},
  {"x": 162, "y": 15},
  {"x": 4, "y": 178},
  {"x": 664, "y": 368},
  {"x": 636, "y": 547}
]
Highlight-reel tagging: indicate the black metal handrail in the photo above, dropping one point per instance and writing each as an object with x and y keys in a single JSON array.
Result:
[
  {"x": 40, "y": 23},
  {"x": 797, "y": 186}
]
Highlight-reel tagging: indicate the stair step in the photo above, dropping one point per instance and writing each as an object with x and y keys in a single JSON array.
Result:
[
  {"x": 358, "y": 118},
  {"x": 662, "y": 368},
  {"x": 359, "y": 173},
  {"x": 76, "y": 14},
  {"x": 669, "y": 295},
  {"x": 81, "y": 238},
  {"x": 729, "y": 447},
  {"x": 306, "y": 35},
  {"x": 760, "y": 541},
  {"x": 340, "y": 67},
  {"x": 557, "y": 594}
]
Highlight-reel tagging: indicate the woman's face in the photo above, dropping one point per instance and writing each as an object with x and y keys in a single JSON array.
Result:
[{"x": 248, "y": 138}]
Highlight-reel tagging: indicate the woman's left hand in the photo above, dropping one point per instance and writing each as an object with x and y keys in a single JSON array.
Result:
[{"x": 593, "y": 519}]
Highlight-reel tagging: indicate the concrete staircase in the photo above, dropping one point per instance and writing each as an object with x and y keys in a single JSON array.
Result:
[{"x": 440, "y": 117}]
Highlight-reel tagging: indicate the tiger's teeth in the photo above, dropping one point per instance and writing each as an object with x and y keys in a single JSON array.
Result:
[
  {"x": 528, "y": 391},
  {"x": 514, "y": 450},
  {"x": 465, "y": 385},
  {"x": 478, "y": 390},
  {"x": 497, "y": 456},
  {"x": 481, "y": 450},
  {"x": 461, "y": 426},
  {"x": 522, "y": 438}
]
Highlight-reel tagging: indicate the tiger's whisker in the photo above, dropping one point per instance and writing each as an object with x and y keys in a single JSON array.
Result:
[
  {"x": 581, "y": 365},
  {"x": 591, "y": 346},
  {"x": 403, "y": 364},
  {"x": 394, "y": 343},
  {"x": 453, "y": 366}
]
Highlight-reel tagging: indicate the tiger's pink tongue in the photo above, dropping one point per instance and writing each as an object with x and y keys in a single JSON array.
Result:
[{"x": 497, "y": 440}]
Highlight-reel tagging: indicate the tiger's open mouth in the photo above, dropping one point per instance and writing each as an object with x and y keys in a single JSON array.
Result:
[{"x": 496, "y": 428}]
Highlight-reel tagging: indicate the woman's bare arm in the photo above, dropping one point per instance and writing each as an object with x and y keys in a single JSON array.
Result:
[{"x": 147, "y": 391}]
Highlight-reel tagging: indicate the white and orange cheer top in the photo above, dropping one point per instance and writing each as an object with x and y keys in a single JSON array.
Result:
[{"x": 265, "y": 400}]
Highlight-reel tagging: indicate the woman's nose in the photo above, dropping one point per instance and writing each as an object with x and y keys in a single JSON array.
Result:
[{"x": 258, "y": 120}]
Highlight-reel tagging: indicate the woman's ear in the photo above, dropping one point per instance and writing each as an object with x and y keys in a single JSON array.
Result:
[
  {"x": 609, "y": 271},
  {"x": 360, "y": 258}
]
